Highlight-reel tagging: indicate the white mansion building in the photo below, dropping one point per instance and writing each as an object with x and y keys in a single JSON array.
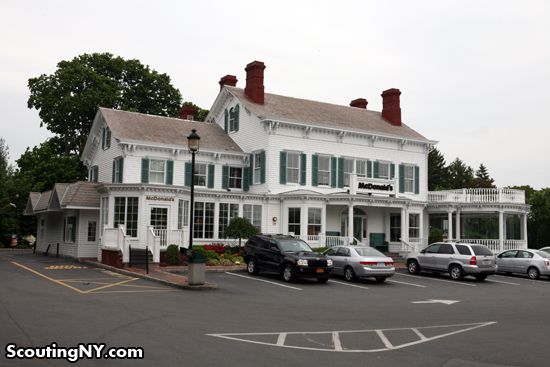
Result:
[{"x": 329, "y": 174}]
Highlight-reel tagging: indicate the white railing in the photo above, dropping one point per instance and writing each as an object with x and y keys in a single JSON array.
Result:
[
  {"x": 324, "y": 241},
  {"x": 514, "y": 244},
  {"x": 153, "y": 242},
  {"x": 477, "y": 196},
  {"x": 116, "y": 239},
  {"x": 171, "y": 237},
  {"x": 494, "y": 244}
]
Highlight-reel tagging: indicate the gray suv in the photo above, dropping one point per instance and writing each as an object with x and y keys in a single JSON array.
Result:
[{"x": 457, "y": 259}]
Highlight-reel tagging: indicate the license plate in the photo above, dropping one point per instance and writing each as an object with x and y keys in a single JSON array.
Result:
[
  {"x": 486, "y": 262},
  {"x": 380, "y": 265},
  {"x": 320, "y": 270}
]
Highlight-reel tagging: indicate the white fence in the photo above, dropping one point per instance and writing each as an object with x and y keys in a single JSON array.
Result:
[
  {"x": 171, "y": 237},
  {"x": 324, "y": 241},
  {"x": 477, "y": 196},
  {"x": 494, "y": 244}
]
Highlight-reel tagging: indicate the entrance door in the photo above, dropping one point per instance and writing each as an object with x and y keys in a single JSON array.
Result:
[
  {"x": 358, "y": 228},
  {"x": 159, "y": 221}
]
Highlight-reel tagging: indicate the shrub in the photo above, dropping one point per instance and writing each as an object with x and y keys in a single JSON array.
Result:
[
  {"x": 217, "y": 248},
  {"x": 213, "y": 262},
  {"x": 436, "y": 235},
  {"x": 226, "y": 262},
  {"x": 210, "y": 254},
  {"x": 237, "y": 260},
  {"x": 173, "y": 255}
]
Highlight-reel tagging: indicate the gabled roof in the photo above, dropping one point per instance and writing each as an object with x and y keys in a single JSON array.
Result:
[
  {"x": 81, "y": 194},
  {"x": 138, "y": 127},
  {"x": 296, "y": 110},
  {"x": 43, "y": 202}
]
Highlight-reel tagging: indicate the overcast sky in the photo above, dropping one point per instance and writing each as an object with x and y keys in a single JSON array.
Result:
[{"x": 474, "y": 75}]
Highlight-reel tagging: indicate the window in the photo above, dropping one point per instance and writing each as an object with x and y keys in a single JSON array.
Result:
[
  {"x": 183, "y": 213},
  {"x": 203, "y": 225},
  {"x": 414, "y": 225},
  {"x": 446, "y": 249},
  {"x": 201, "y": 170},
  {"x": 233, "y": 118},
  {"x": 93, "y": 174},
  {"x": 384, "y": 170},
  {"x": 126, "y": 213},
  {"x": 323, "y": 170},
  {"x": 156, "y": 171},
  {"x": 69, "y": 233},
  {"x": 105, "y": 138},
  {"x": 92, "y": 230},
  {"x": 254, "y": 214},
  {"x": 294, "y": 221},
  {"x": 348, "y": 170},
  {"x": 343, "y": 251},
  {"x": 235, "y": 177},
  {"x": 509, "y": 254},
  {"x": 104, "y": 212},
  {"x": 433, "y": 249},
  {"x": 292, "y": 167},
  {"x": 361, "y": 168},
  {"x": 395, "y": 227},
  {"x": 409, "y": 178},
  {"x": 463, "y": 250},
  {"x": 226, "y": 212},
  {"x": 314, "y": 221},
  {"x": 257, "y": 166},
  {"x": 118, "y": 164}
]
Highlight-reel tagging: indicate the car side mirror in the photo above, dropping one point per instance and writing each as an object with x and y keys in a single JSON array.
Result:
[
  {"x": 423, "y": 251},
  {"x": 274, "y": 248}
]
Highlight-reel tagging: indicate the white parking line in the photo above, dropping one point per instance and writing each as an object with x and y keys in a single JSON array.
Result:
[
  {"x": 439, "y": 280},
  {"x": 519, "y": 278},
  {"x": 398, "y": 282},
  {"x": 263, "y": 280},
  {"x": 348, "y": 284},
  {"x": 501, "y": 282}
]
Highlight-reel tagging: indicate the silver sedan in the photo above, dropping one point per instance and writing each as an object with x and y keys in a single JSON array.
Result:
[
  {"x": 360, "y": 262},
  {"x": 534, "y": 263}
]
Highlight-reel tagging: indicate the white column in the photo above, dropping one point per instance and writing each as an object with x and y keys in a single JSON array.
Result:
[
  {"x": 501, "y": 230},
  {"x": 322, "y": 238},
  {"x": 457, "y": 235},
  {"x": 404, "y": 225},
  {"x": 421, "y": 227},
  {"x": 525, "y": 229},
  {"x": 350, "y": 223},
  {"x": 216, "y": 220},
  {"x": 450, "y": 225}
]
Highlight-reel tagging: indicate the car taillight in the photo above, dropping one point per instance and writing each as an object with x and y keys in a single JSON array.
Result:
[
  {"x": 389, "y": 264},
  {"x": 368, "y": 262},
  {"x": 473, "y": 260},
  {"x": 547, "y": 262}
]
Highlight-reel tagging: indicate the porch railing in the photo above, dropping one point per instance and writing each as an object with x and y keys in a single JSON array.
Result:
[
  {"x": 478, "y": 196},
  {"x": 171, "y": 237},
  {"x": 494, "y": 244},
  {"x": 323, "y": 240}
]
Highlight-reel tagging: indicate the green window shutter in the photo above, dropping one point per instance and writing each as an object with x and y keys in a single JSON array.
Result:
[
  {"x": 246, "y": 178},
  {"x": 144, "y": 170},
  {"x": 416, "y": 179},
  {"x": 188, "y": 174},
  {"x": 236, "y": 112},
  {"x": 114, "y": 170},
  {"x": 262, "y": 167},
  {"x": 369, "y": 169},
  {"x": 314, "y": 169},
  {"x": 251, "y": 170},
  {"x": 169, "y": 172},
  {"x": 401, "y": 178},
  {"x": 103, "y": 135},
  {"x": 226, "y": 122},
  {"x": 303, "y": 166},
  {"x": 376, "y": 169},
  {"x": 108, "y": 139},
  {"x": 120, "y": 169},
  {"x": 282, "y": 168},
  {"x": 225, "y": 177},
  {"x": 210, "y": 176},
  {"x": 392, "y": 171},
  {"x": 340, "y": 172},
  {"x": 333, "y": 171}
]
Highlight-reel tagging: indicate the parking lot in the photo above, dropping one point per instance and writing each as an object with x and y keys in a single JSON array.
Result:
[{"x": 425, "y": 320}]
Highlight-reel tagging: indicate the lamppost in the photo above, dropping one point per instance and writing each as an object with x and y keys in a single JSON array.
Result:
[{"x": 193, "y": 144}]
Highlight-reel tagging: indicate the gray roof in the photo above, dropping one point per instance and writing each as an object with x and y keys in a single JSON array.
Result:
[
  {"x": 81, "y": 194},
  {"x": 323, "y": 114},
  {"x": 139, "y": 127},
  {"x": 43, "y": 201}
]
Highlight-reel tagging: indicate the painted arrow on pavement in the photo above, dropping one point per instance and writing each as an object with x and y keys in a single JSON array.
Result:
[{"x": 443, "y": 301}]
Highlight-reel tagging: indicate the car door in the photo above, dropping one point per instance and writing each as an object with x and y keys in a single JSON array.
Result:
[
  {"x": 336, "y": 263},
  {"x": 443, "y": 256},
  {"x": 343, "y": 254},
  {"x": 523, "y": 261},
  {"x": 505, "y": 261},
  {"x": 426, "y": 258}
]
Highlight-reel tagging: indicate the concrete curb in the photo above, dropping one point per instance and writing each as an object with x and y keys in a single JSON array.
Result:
[
  {"x": 209, "y": 269},
  {"x": 206, "y": 286}
]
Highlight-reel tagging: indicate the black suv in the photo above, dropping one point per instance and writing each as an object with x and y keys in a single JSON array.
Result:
[{"x": 285, "y": 255}]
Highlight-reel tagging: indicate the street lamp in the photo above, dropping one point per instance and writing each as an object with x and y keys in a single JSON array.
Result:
[{"x": 193, "y": 141}]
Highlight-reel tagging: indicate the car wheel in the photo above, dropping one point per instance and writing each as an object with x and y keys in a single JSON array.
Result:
[
  {"x": 251, "y": 267},
  {"x": 533, "y": 273},
  {"x": 322, "y": 280},
  {"x": 380, "y": 279},
  {"x": 349, "y": 274},
  {"x": 288, "y": 273},
  {"x": 481, "y": 277},
  {"x": 413, "y": 267},
  {"x": 456, "y": 272}
]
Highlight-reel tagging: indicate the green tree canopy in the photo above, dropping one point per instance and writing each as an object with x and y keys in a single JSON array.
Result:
[
  {"x": 240, "y": 228},
  {"x": 482, "y": 178},
  {"x": 67, "y": 100},
  {"x": 438, "y": 174},
  {"x": 460, "y": 175}
]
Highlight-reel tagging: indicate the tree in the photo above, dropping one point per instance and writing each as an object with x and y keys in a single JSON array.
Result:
[
  {"x": 538, "y": 226},
  {"x": 240, "y": 228},
  {"x": 8, "y": 212},
  {"x": 201, "y": 112},
  {"x": 482, "y": 178},
  {"x": 460, "y": 175},
  {"x": 438, "y": 174},
  {"x": 67, "y": 100}
]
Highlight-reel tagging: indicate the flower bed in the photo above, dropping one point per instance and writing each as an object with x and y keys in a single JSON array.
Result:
[{"x": 219, "y": 254}]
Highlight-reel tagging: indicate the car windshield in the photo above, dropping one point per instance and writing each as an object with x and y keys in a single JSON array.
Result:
[
  {"x": 545, "y": 249},
  {"x": 544, "y": 254},
  {"x": 481, "y": 250},
  {"x": 368, "y": 251},
  {"x": 294, "y": 246}
]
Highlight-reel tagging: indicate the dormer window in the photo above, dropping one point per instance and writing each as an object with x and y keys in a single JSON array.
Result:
[
  {"x": 232, "y": 119},
  {"x": 105, "y": 138}
]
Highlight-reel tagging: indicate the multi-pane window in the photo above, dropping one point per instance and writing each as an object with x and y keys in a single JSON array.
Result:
[
  {"x": 395, "y": 227},
  {"x": 156, "y": 171},
  {"x": 93, "y": 174},
  {"x": 294, "y": 221},
  {"x": 314, "y": 221},
  {"x": 409, "y": 178},
  {"x": 92, "y": 230},
  {"x": 183, "y": 213},
  {"x": 361, "y": 168},
  {"x": 201, "y": 170},
  {"x": 126, "y": 213},
  {"x": 104, "y": 212},
  {"x": 293, "y": 167},
  {"x": 414, "y": 225},
  {"x": 254, "y": 214},
  {"x": 384, "y": 170},
  {"x": 226, "y": 212},
  {"x": 69, "y": 233},
  {"x": 257, "y": 168},
  {"x": 203, "y": 222},
  {"x": 348, "y": 170},
  {"x": 235, "y": 177},
  {"x": 233, "y": 119},
  {"x": 323, "y": 170},
  {"x": 105, "y": 138},
  {"x": 118, "y": 169}
]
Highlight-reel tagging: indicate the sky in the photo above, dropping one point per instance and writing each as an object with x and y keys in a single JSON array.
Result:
[{"x": 474, "y": 75}]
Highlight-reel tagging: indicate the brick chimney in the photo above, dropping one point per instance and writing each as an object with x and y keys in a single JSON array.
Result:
[
  {"x": 255, "y": 81},
  {"x": 188, "y": 112},
  {"x": 391, "y": 110},
  {"x": 359, "y": 103},
  {"x": 230, "y": 80}
]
